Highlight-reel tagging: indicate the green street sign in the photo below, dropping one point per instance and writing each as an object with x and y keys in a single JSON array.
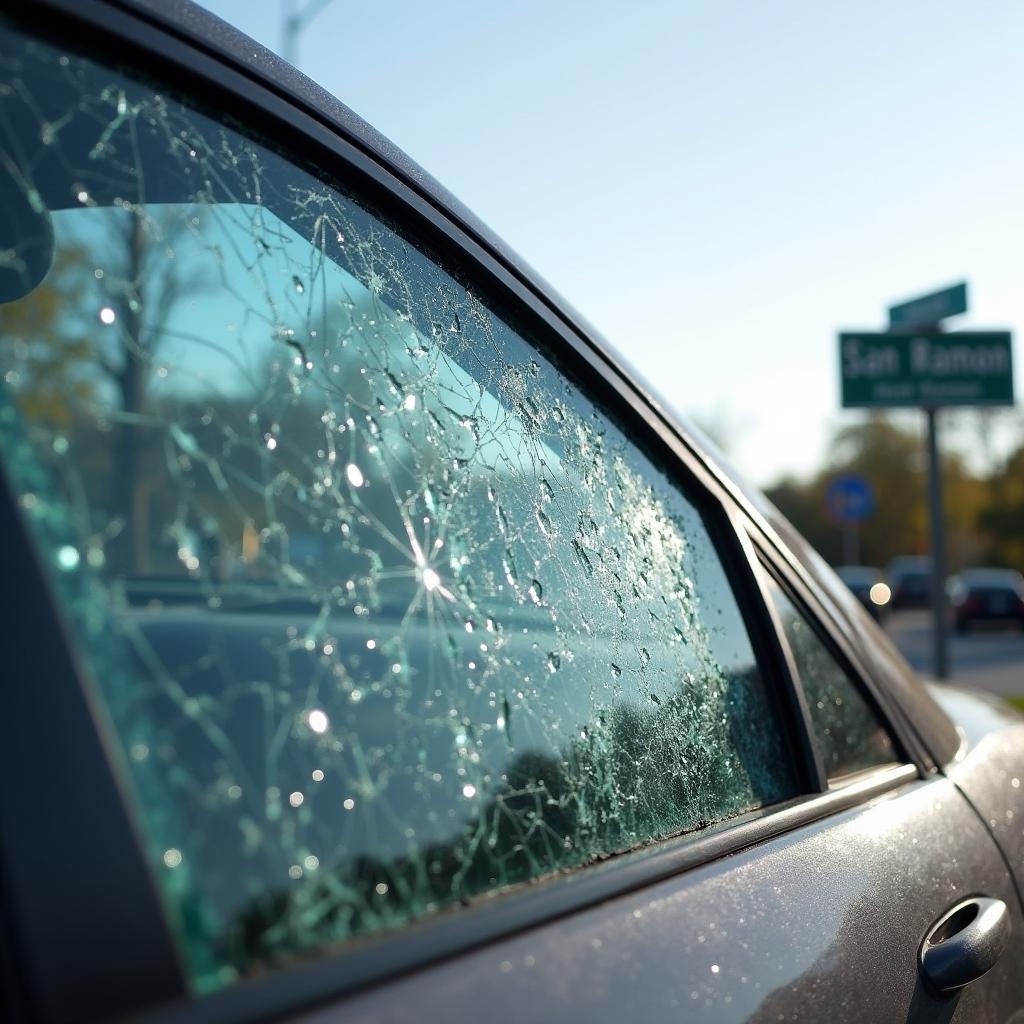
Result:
[
  {"x": 930, "y": 309},
  {"x": 925, "y": 369}
]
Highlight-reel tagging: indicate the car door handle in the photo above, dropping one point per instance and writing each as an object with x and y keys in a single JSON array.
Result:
[{"x": 965, "y": 943}]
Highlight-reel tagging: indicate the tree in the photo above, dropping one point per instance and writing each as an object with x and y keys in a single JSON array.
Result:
[
  {"x": 1001, "y": 519},
  {"x": 890, "y": 456}
]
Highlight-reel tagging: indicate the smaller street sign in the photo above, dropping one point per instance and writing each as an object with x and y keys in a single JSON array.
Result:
[
  {"x": 849, "y": 499},
  {"x": 930, "y": 309},
  {"x": 925, "y": 369}
]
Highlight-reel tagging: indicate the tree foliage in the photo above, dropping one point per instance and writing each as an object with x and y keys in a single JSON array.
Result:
[{"x": 892, "y": 458}]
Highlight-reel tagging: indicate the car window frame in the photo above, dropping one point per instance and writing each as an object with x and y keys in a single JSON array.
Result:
[
  {"x": 109, "y": 31},
  {"x": 845, "y": 656}
]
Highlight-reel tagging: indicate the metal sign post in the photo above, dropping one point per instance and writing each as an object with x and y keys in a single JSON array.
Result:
[
  {"x": 915, "y": 365},
  {"x": 937, "y": 521}
]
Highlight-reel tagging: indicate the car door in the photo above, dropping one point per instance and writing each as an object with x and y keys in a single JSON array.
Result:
[{"x": 403, "y": 640}]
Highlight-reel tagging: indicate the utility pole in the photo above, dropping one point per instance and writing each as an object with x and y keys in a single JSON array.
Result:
[{"x": 294, "y": 18}]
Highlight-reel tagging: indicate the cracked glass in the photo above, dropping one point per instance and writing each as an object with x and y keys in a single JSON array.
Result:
[
  {"x": 385, "y": 612},
  {"x": 850, "y": 735}
]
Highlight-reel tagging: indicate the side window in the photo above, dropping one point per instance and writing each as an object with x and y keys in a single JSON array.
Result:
[
  {"x": 849, "y": 733},
  {"x": 386, "y": 613}
]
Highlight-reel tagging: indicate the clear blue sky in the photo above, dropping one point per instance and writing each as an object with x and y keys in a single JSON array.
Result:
[{"x": 717, "y": 185}]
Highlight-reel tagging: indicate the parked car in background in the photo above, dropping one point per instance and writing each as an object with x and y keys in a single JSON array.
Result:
[
  {"x": 909, "y": 577},
  {"x": 376, "y": 648},
  {"x": 869, "y": 587},
  {"x": 987, "y": 596}
]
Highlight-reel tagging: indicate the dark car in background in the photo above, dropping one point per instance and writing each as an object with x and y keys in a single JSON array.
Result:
[
  {"x": 869, "y": 586},
  {"x": 909, "y": 576},
  {"x": 377, "y": 648},
  {"x": 985, "y": 597}
]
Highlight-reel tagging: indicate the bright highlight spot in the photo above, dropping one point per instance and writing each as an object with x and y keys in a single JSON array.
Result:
[
  {"x": 295, "y": 799},
  {"x": 318, "y": 721},
  {"x": 349, "y": 804},
  {"x": 431, "y": 580},
  {"x": 469, "y": 791},
  {"x": 172, "y": 857},
  {"x": 68, "y": 558},
  {"x": 354, "y": 475},
  {"x": 107, "y": 315},
  {"x": 880, "y": 593}
]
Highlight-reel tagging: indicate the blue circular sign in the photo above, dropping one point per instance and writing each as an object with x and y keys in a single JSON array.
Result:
[{"x": 849, "y": 499}]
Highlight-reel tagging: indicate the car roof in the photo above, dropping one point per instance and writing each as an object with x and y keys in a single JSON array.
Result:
[
  {"x": 910, "y": 563},
  {"x": 850, "y": 572},
  {"x": 986, "y": 576}
]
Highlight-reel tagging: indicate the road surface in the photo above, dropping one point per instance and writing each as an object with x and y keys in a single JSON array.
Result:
[{"x": 991, "y": 659}]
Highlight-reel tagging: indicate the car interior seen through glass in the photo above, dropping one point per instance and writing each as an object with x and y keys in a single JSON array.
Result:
[{"x": 385, "y": 612}]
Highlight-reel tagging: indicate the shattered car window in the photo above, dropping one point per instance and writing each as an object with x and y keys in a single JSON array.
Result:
[
  {"x": 850, "y": 735},
  {"x": 386, "y": 613}
]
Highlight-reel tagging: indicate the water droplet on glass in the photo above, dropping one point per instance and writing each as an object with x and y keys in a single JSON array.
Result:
[
  {"x": 354, "y": 475},
  {"x": 554, "y": 662},
  {"x": 299, "y": 286},
  {"x": 536, "y": 591}
]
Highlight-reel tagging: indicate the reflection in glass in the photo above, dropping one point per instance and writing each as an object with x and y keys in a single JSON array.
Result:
[{"x": 386, "y": 613}]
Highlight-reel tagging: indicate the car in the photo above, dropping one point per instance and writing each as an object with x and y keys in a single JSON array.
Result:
[
  {"x": 868, "y": 586},
  {"x": 910, "y": 579},
  {"x": 378, "y": 647},
  {"x": 987, "y": 596}
]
